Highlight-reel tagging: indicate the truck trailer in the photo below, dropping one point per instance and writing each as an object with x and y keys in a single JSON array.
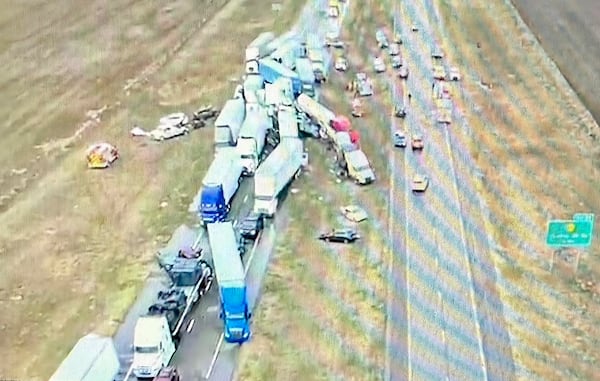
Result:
[
  {"x": 259, "y": 48},
  {"x": 287, "y": 53},
  {"x": 253, "y": 83},
  {"x": 93, "y": 358},
  {"x": 279, "y": 93},
  {"x": 220, "y": 184},
  {"x": 231, "y": 278},
  {"x": 278, "y": 170},
  {"x": 228, "y": 123},
  {"x": 287, "y": 122},
  {"x": 306, "y": 75},
  {"x": 156, "y": 334},
  {"x": 315, "y": 110},
  {"x": 251, "y": 142},
  {"x": 272, "y": 70}
]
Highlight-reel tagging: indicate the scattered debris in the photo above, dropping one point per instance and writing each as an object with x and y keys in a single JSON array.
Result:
[
  {"x": 18, "y": 172},
  {"x": 101, "y": 155},
  {"x": 138, "y": 131}
]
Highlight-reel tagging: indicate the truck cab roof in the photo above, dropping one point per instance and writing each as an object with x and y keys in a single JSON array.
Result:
[{"x": 148, "y": 331}]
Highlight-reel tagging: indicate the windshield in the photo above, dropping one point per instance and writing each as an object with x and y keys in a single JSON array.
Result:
[
  {"x": 146, "y": 349},
  {"x": 247, "y": 156},
  {"x": 363, "y": 168}
]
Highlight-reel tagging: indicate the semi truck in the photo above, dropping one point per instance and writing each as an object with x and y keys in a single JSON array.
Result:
[
  {"x": 231, "y": 278},
  {"x": 287, "y": 122},
  {"x": 306, "y": 75},
  {"x": 251, "y": 142},
  {"x": 287, "y": 53},
  {"x": 272, "y": 71},
  {"x": 325, "y": 118},
  {"x": 279, "y": 93},
  {"x": 220, "y": 184},
  {"x": 93, "y": 358},
  {"x": 278, "y": 170},
  {"x": 259, "y": 48},
  {"x": 156, "y": 334},
  {"x": 317, "y": 60},
  {"x": 253, "y": 83},
  {"x": 228, "y": 123}
]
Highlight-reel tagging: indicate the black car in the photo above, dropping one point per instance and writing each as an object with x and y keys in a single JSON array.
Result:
[
  {"x": 340, "y": 235},
  {"x": 252, "y": 225}
]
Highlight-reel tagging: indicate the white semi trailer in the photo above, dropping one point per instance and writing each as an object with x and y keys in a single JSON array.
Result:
[
  {"x": 93, "y": 358},
  {"x": 251, "y": 141},
  {"x": 229, "y": 123},
  {"x": 278, "y": 170}
]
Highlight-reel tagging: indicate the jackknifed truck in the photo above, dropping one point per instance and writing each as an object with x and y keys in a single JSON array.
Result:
[
  {"x": 276, "y": 173},
  {"x": 231, "y": 278},
  {"x": 229, "y": 123},
  {"x": 156, "y": 334},
  {"x": 251, "y": 142},
  {"x": 219, "y": 185},
  {"x": 93, "y": 358}
]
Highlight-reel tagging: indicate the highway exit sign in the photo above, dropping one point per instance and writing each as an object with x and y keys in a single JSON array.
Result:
[{"x": 571, "y": 233}]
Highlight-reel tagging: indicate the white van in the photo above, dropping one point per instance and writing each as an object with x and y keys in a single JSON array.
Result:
[{"x": 153, "y": 346}]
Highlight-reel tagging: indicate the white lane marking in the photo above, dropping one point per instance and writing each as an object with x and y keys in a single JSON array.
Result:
[
  {"x": 251, "y": 257},
  {"x": 245, "y": 199},
  {"x": 466, "y": 257},
  {"x": 190, "y": 326},
  {"x": 213, "y": 361},
  {"x": 234, "y": 223},
  {"x": 128, "y": 374}
]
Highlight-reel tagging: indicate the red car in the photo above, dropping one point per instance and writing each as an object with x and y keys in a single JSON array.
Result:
[{"x": 169, "y": 373}]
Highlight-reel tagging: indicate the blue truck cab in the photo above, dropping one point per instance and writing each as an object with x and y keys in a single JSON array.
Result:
[
  {"x": 272, "y": 70},
  {"x": 231, "y": 277}
]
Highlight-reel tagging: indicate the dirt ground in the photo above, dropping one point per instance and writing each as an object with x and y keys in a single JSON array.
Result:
[
  {"x": 76, "y": 245},
  {"x": 570, "y": 34},
  {"x": 537, "y": 147}
]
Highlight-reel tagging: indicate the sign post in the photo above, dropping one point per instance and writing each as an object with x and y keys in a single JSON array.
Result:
[{"x": 575, "y": 233}]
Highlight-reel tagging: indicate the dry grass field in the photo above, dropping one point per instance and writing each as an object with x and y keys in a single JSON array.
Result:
[
  {"x": 76, "y": 245},
  {"x": 537, "y": 147}
]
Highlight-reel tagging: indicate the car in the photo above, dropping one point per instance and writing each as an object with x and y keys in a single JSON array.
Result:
[
  {"x": 378, "y": 65},
  {"x": 341, "y": 64},
  {"x": 381, "y": 38},
  {"x": 394, "y": 49},
  {"x": 437, "y": 52},
  {"x": 252, "y": 225},
  {"x": 176, "y": 119},
  {"x": 403, "y": 72},
  {"x": 344, "y": 235},
  {"x": 164, "y": 132},
  {"x": 365, "y": 87},
  {"x": 420, "y": 183},
  {"x": 454, "y": 74},
  {"x": 397, "y": 38},
  {"x": 396, "y": 62},
  {"x": 414, "y": 28},
  {"x": 439, "y": 72},
  {"x": 354, "y": 213},
  {"x": 399, "y": 139},
  {"x": 417, "y": 142},
  {"x": 399, "y": 110},
  {"x": 169, "y": 373}
]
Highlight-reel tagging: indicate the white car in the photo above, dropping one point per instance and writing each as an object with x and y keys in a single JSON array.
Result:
[
  {"x": 454, "y": 74},
  {"x": 396, "y": 62},
  {"x": 403, "y": 72},
  {"x": 420, "y": 183},
  {"x": 394, "y": 49},
  {"x": 354, "y": 213},
  {"x": 382, "y": 41},
  {"x": 378, "y": 65},
  {"x": 164, "y": 132},
  {"x": 341, "y": 64},
  {"x": 176, "y": 119}
]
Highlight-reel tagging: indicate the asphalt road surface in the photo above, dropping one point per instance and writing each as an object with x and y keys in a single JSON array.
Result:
[{"x": 436, "y": 316}]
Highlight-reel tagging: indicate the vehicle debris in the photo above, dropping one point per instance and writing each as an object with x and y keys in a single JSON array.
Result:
[{"x": 101, "y": 155}]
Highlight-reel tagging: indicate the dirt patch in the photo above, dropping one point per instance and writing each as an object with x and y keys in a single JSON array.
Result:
[{"x": 539, "y": 157}]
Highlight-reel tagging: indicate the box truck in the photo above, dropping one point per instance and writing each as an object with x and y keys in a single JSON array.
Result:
[
  {"x": 287, "y": 122},
  {"x": 278, "y": 170},
  {"x": 259, "y": 48},
  {"x": 219, "y": 185},
  {"x": 156, "y": 334},
  {"x": 228, "y": 123},
  {"x": 251, "y": 141},
  {"x": 272, "y": 71},
  {"x": 306, "y": 75},
  {"x": 93, "y": 358},
  {"x": 231, "y": 278}
]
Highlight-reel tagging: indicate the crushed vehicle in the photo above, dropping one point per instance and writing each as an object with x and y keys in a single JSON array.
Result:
[
  {"x": 399, "y": 139},
  {"x": 378, "y": 65},
  {"x": 164, "y": 132},
  {"x": 340, "y": 235},
  {"x": 101, "y": 155},
  {"x": 396, "y": 62},
  {"x": 417, "y": 142},
  {"x": 177, "y": 119},
  {"x": 200, "y": 116},
  {"x": 394, "y": 49},
  {"x": 454, "y": 74},
  {"x": 403, "y": 72},
  {"x": 252, "y": 225},
  {"x": 354, "y": 213},
  {"x": 341, "y": 63},
  {"x": 439, "y": 72},
  {"x": 420, "y": 183}
]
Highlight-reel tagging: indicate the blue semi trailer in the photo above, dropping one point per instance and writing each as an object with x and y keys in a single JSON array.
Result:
[
  {"x": 272, "y": 70},
  {"x": 231, "y": 278}
]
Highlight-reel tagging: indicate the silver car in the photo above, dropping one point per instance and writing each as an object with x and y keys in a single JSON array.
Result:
[{"x": 378, "y": 65}]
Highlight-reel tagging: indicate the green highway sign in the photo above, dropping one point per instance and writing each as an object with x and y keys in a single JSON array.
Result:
[{"x": 570, "y": 233}]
